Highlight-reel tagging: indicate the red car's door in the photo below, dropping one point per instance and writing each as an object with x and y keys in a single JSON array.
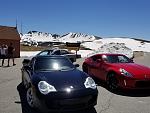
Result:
[
  {"x": 100, "y": 69},
  {"x": 92, "y": 68},
  {"x": 97, "y": 67}
]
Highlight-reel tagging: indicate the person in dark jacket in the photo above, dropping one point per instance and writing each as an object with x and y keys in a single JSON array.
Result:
[{"x": 11, "y": 50}]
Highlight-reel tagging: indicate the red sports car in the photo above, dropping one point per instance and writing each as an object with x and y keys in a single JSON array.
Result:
[{"x": 118, "y": 71}]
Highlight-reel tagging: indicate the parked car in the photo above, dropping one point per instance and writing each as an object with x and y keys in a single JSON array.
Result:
[
  {"x": 118, "y": 71},
  {"x": 54, "y": 83},
  {"x": 63, "y": 52}
]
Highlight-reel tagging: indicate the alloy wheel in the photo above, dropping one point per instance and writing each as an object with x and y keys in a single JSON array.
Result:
[
  {"x": 112, "y": 82},
  {"x": 30, "y": 97}
]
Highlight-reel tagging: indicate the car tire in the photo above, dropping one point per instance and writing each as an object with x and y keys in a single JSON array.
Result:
[
  {"x": 112, "y": 82},
  {"x": 31, "y": 100}
]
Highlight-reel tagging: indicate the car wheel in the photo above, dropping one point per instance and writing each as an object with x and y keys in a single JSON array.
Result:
[
  {"x": 30, "y": 97},
  {"x": 112, "y": 82}
]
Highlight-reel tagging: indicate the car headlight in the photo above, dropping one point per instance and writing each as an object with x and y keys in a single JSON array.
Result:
[
  {"x": 89, "y": 83},
  {"x": 45, "y": 88},
  {"x": 125, "y": 73}
]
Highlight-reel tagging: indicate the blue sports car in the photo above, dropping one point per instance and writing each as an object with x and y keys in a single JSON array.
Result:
[{"x": 54, "y": 83}]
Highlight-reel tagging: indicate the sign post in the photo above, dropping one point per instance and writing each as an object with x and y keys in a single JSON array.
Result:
[{"x": 73, "y": 46}]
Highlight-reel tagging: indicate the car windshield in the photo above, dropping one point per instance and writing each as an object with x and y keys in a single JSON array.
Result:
[
  {"x": 118, "y": 59},
  {"x": 53, "y": 64},
  {"x": 45, "y": 52}
]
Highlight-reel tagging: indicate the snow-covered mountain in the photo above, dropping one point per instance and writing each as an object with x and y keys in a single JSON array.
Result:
[
  {"x": 77, "y": 37},
  {"x": 96, "y": 44},
  {"x": 34, "y": 37}
]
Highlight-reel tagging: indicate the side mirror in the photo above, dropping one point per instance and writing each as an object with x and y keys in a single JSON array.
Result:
[
  {"x": 26, "y": 62},
  {"x": 76, "y": 65}
]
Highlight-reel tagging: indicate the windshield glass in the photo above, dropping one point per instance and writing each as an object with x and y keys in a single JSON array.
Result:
[
  {"x": 118, "y": 59},
  {"x": 52, "y": 64}
]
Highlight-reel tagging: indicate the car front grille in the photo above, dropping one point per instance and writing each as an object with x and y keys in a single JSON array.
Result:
[
  {"x": 75, "y": 103},
  {"x": 143, "y": 84}
]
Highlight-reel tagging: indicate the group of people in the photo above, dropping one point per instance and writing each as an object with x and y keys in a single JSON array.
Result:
[{"x": 7, "y": 52}]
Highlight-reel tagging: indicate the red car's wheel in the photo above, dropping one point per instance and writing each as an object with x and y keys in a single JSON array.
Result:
[{"x": 112, "y": 82}]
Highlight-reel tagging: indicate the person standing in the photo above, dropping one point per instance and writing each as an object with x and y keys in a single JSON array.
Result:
[
  {"x": 3, "y": 53},
  {"x": 11, "y": 50},
  {"x": 0, "y": 53}
]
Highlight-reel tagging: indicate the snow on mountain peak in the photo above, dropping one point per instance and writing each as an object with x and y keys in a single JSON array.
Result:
[
  {"x": 77, "y": 37},
  {"x": 34, "y": 37}
]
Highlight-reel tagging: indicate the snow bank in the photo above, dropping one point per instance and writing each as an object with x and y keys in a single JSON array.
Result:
[
  {"x": 28, "y": 53},
  {"x": 105, "y": 45},
  {"x": 116, "y": 48},
  {"x": 84, "y": 53},
  {"x": 119, "y": 48},
  {"x": 130, "y": 43}
]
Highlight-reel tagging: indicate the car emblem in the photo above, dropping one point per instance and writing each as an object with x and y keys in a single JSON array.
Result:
[
  {"x": 69, "y": 89},
  {"x": 145, "y": 76}
]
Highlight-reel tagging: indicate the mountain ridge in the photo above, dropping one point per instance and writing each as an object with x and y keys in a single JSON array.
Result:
[{"x": 35, "y": 37}]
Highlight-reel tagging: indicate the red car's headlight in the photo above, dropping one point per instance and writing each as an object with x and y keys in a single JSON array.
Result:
[{"x": 125, "y": 73}]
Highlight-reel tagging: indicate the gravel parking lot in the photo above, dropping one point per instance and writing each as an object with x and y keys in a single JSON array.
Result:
[{"x": 12, "y": 94}]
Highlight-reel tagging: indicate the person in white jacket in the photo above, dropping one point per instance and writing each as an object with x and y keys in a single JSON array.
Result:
[{"x": 3, "y": 52}]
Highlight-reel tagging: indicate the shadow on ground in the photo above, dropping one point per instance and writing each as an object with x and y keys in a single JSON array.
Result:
[
  {"x": 27, "y": 109},
  {"x": 130, "y": 93}
]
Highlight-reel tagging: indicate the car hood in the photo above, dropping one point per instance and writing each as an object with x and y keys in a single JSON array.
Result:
[
  {"x": 138, "y": 71},
  {"x": 63, "y": 79}
]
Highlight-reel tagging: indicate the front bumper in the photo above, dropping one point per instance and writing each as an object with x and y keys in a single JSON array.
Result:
[
  {"x": 74, "y": 100},
  {"x": 132, "y": 83}
]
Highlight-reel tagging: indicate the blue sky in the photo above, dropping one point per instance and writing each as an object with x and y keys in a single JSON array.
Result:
[{"x": 105, "y": 18}]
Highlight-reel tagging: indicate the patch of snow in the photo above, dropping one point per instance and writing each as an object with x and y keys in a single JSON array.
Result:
[
  {"x": 116, "y": 48},
  {"x": 28, "y": 53},
  {"x": 84, "y": 53},
  {"x": 130, "y": 43}
]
